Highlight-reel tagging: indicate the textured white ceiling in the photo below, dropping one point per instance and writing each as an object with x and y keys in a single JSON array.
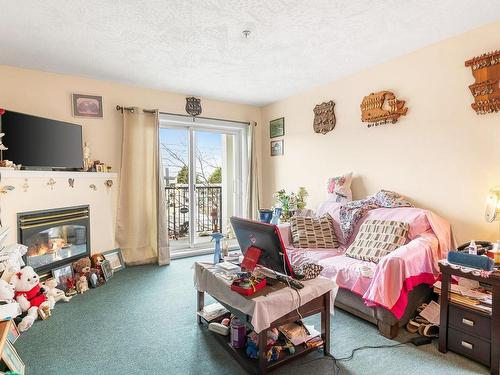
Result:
[{"x": 196, "y": 47}]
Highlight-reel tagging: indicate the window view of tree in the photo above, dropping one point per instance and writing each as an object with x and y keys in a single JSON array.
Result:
[
  {"x": 208, "y": 190},
  {"x": 182, "y": 175},
  {"x": 216, "y": 176}
]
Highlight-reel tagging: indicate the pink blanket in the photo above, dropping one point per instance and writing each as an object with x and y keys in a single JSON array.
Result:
[{"x": 429, "y": 240}]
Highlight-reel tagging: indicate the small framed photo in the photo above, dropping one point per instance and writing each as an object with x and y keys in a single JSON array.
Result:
[
  {"x": 106, "y": 269},
  {"x": 13, "y": 333},
  {"x": 99, "y": 168},
  {"x": 277, "y": 127},
  {"x": 115, "y": 258},
  {"x": 62, "y": 274},
  {"x": 277, "y": 148},
  {"x": 11, "y": 359},
  {"x": 87, "y": 106}
]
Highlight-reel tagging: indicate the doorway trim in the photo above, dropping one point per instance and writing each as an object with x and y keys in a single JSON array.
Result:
[{"x": 192, "y": 124}]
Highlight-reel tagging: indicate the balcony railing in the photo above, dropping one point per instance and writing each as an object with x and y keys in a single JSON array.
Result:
[{"x": 208, "y": 210}]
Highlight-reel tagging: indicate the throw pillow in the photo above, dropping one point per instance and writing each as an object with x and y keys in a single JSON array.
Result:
[
  {"x": 314, "y": 233},
  {"x": 339, "y": 188},
  {"x": 377, "y": 238},
  {"x": 307, "y": 271}
]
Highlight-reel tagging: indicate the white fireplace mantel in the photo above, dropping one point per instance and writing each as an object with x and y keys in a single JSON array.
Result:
[
  {"x": 42, "y": 190},
  {"x": 14, "y": 173}
]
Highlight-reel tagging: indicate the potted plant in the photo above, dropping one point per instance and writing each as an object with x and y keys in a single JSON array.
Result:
[{"x": 289, "y": 203}]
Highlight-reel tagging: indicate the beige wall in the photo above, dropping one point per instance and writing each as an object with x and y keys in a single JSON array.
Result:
[
  {"x": 442, "y": 155},
  {"x": 49, "y": 95}
]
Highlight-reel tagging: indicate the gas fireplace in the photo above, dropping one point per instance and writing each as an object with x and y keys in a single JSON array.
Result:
[{"x": 54, "y": 237}]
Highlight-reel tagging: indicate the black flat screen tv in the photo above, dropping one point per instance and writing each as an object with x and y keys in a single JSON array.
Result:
[{"x": 41, "y": 143}]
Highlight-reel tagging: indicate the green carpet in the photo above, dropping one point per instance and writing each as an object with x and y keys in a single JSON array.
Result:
[{"x": 143, "y": 322}]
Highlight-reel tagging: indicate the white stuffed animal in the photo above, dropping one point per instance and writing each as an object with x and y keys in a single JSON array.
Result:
[
  {"x": 30, "y": 295},
  {"x": 53, "y": 293},
  {"x": 6, "y": 292},
  {"x": 9, "y": 308}
]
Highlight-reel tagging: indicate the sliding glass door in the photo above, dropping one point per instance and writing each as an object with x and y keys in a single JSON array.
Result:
[{"x": 204, "y": 164}]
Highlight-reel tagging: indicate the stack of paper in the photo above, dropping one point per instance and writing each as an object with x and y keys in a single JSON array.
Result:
[
  {"x": 213, "y": 311},
  {"x": 299, "y": 334},
  {"x": 462, "y": 294}
]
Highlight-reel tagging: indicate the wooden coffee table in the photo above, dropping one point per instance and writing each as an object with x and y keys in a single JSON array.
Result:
[{"x": 320, "y": 304}]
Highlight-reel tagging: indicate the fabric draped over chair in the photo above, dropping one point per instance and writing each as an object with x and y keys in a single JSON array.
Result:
[{"x": 141, "y": 227}]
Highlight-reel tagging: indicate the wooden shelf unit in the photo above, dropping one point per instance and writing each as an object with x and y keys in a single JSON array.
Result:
[{"x": 465, "y": 330}]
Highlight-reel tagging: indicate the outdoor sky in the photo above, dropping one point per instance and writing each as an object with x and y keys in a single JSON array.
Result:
[{"x": 209, "y": 145}]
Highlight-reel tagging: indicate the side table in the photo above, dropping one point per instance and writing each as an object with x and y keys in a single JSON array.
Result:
[{"x": 464, "y": 330}]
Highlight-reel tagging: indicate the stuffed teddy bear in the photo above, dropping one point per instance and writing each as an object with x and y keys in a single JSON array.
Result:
[
  {"x": 53, "y": 293},
  {"x": 97, "y": 260},
  {"x": 82, "y": 285},
  {"x": 82, "y": 267},
  {"x": 30, "y": 295}
]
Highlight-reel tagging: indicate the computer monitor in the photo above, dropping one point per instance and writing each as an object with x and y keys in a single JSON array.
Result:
[{"x": 265, "y": 237}]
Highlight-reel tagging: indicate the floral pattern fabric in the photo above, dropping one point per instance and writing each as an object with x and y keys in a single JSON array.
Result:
[
  {"x": 340, "y": 188},
  {"x": 352, "y": 212}
]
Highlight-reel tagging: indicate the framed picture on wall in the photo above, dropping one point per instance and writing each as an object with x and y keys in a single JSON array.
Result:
[
  {"x": 277, "y": 148},
  {"x": 277, "y": 127},
  {"x": 87, "y": 106}
]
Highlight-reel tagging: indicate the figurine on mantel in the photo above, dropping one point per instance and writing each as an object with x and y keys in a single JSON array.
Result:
[{"x": 86, "y": 157}]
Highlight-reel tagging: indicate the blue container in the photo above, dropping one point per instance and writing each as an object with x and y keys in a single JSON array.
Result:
[
  {"x": 265, "y": 215},
  {"x": 276, "y": 216}
]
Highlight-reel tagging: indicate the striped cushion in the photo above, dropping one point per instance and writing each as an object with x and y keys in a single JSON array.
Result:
[
  {"x": 377, "y": 238},
  {"x": 315, "y": 233}
]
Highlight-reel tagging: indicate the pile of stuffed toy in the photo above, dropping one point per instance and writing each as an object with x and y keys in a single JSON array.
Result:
[{"x": 25, "y": 298}]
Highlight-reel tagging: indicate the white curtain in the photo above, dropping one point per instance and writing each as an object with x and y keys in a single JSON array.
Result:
[
  {"x": 141, "y": 228},
  {"x": 252, "y": 204}
]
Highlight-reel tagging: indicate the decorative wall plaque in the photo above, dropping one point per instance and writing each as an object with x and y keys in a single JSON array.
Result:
[
  {"x": 381, "y": 107},
  {"x": 486, "y": 90},
  {"x": 193, "y": 106},
  {"x": 324, "y": 117}
]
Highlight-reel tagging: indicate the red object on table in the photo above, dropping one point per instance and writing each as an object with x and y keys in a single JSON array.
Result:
[
  {"x": 248, "y": 291},
  {"x": 251, "y": 258},
  {"x": 2, "y": 111}
]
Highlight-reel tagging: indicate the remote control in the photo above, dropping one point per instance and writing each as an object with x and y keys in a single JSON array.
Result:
[{"x": 288, "y": 280}]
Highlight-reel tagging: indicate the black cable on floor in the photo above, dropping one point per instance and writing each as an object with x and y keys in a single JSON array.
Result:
[{"x": 336, "y": 368}]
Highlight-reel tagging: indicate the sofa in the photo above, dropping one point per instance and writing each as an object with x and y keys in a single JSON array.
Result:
[{"x": 389, "y": 292}]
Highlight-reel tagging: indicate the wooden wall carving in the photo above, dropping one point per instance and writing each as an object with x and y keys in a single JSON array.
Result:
[
  {"x": 486, "y": 90},
  {"x": 382, "y": 107},
  {"x": 324, "y": 117}
]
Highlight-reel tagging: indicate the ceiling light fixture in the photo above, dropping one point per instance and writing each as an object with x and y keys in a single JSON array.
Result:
[{"x": 246, "y": 33}]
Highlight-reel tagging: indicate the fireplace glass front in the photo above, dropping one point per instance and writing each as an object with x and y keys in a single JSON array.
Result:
[{"x": 54, "y": 237}]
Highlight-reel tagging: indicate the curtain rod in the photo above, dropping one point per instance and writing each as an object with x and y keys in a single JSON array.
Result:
[
  {"x": 132, "y": 109},
  {"x": 206, "y": 118}
]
